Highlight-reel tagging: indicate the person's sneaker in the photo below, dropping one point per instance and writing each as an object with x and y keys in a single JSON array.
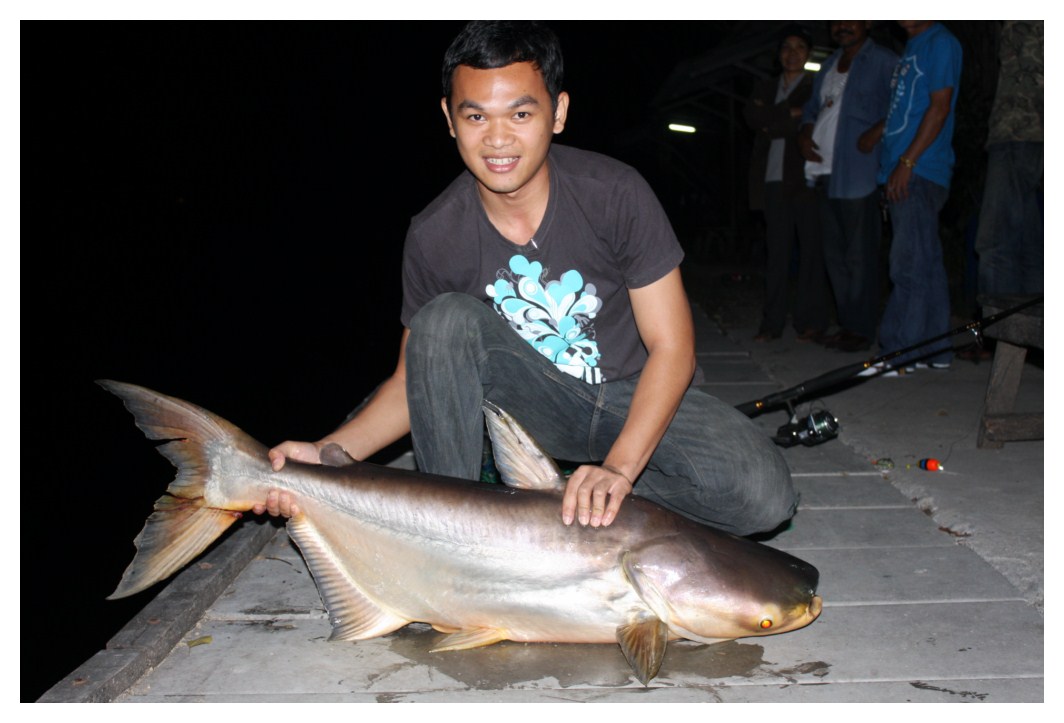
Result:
[
  {"x": 941, "y": 366},
  {"x": 885, "y": 370}
]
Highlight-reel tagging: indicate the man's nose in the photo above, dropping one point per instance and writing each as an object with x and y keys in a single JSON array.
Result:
[{"x": 498, "y": 135}]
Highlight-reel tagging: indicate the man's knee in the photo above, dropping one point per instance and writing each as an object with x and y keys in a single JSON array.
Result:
[
  {"x": 445, "y": 310},
  {"x": 448, "y": 319},
  {"x": 775, "y": 509}
]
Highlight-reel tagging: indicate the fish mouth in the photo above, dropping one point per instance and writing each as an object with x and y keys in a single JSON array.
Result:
[{"x": 800, "y": 618}]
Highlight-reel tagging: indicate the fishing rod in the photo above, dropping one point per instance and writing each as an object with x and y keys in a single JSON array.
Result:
[{"x": 821, "y": 425}]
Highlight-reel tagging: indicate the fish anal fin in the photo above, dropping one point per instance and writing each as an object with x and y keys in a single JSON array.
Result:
[
  {"x": 521, "y": 462},
  {"x": 173, "y": 535},
  {"x": 467, "y": 639},
  {"x": 353, "y": 615},
  {"x": 643, "y": 643}
]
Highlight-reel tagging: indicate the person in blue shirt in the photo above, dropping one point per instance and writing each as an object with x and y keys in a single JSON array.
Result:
[
  {"x": 851, "y": 95},
  {"x": 916, "y": 165}
]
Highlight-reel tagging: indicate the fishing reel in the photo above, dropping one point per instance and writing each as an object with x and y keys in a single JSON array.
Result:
[{"x": 817, "y": 427}]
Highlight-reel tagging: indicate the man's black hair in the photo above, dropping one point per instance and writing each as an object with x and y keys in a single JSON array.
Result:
[{"x": 495, "y": 44}]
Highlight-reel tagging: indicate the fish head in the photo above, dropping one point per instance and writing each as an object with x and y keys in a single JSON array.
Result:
[{"x": 732, "y": 588}]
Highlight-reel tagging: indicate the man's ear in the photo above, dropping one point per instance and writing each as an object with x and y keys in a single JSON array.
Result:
[
  {"x": 561, "y": 112},
  {"x": 447, "y": 115}
]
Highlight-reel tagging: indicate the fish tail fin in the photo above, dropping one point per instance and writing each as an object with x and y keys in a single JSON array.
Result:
[{"x": 182, "y": 525}]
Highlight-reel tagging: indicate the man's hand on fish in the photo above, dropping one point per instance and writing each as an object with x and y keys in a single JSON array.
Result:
[
  {"x": 587, "y": 492},
  {"x": 278, "y": 503},
  {"x": 307, "y": 452}
]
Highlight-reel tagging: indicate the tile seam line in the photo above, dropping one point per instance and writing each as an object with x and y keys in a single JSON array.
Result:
[
  {"x": 955, "y": 601},
  {"x": 806, "y": 475},
  {"x": 855, "y": 681},
  {"x": 898, "y": 506},
  {"x": 865, "y": 548}
]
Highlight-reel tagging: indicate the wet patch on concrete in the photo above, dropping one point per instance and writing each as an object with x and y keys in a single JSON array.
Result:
[
  {"x": 730, "y": 659},
  {"x": 961, "y": 693},
  {"x": 815, "y": 668},
  {"x": 510, "y": 665},
  {"x": 262, "y": 611}
]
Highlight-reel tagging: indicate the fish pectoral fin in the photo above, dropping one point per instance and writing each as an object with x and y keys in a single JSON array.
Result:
[
  {"x": 643, "y": 643},
  {"x": 174, "y": 534},
  {"x": 466, "y": 639},
  {"x": 354, "y": 616}
]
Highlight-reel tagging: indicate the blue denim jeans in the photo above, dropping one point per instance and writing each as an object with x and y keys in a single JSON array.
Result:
[
  {"x": 713, "y": 465},
  {"x": 1011, "y": 231},
  {"x": 918, "y": 306}
]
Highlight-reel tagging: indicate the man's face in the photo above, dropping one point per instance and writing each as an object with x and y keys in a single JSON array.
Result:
[
  {"x": 848, "y": 33},
  {"x": 503, "y": 121},
  {"x": 915, "y": 27}
]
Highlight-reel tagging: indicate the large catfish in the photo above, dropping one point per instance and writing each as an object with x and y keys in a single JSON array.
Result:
[{"x": 479, "y": 562}]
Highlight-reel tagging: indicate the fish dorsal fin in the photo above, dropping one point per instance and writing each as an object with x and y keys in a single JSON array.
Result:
[
  {"x": 333, "y": 455},
  {"x": 467, "y": 639},
  {"x": 643, "y": 643},
  {"x": 519, "y": 458},
  {"x": 353, "y": 615}
]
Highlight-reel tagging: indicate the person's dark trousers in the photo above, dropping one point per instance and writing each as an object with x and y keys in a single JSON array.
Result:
[
  {"x": 1010, "y": 241},
  {"x": 852, "y": 230},
  {"x": 714, "y": 465},
  {"x": 918, "y": 307},
  {"x": 788, "y": 215}
]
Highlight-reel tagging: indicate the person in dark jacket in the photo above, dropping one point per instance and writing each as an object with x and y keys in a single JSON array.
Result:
[{"x": 778, "y": 188}]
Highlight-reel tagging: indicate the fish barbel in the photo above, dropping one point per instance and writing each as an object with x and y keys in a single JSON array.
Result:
[{"x": 480, "y": 562}]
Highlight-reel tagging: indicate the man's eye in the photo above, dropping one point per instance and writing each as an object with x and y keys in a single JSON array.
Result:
[
  {"x": 522, "y": 114},
  {"x": 475, "y": 117}
]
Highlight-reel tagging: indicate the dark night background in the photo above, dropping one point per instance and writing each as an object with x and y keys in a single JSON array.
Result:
[{"x": 219, "y": 210}]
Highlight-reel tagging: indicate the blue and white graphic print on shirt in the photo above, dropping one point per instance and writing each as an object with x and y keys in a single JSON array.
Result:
[
  {"x": 906, "y": 75},
  {"x": 555, "y": 317}
]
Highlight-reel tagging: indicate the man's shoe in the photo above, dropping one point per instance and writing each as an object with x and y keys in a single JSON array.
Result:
[
  {"x": 853, "y": 342},
  {"x": 977, "y": 353},
  {"x": 830, "y": 340}
]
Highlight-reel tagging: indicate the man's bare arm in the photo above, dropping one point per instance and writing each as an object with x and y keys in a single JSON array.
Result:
[
  {"x": 930, "y": 126},
  {"x": 663, "y": 316},
  {"x": 385, "y": 419}
]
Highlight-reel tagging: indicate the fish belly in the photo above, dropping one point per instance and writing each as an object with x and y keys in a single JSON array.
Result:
[{"x": 528, "y": 586}]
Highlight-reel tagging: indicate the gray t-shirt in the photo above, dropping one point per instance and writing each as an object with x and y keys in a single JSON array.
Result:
[{"x": 566, "y": 291}]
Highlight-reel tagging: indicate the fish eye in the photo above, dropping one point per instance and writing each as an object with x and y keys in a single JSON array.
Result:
[{"x": 766, "y": 623}]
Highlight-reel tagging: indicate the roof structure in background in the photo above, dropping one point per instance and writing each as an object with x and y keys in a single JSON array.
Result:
[{"x": 697, "y": 85}]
